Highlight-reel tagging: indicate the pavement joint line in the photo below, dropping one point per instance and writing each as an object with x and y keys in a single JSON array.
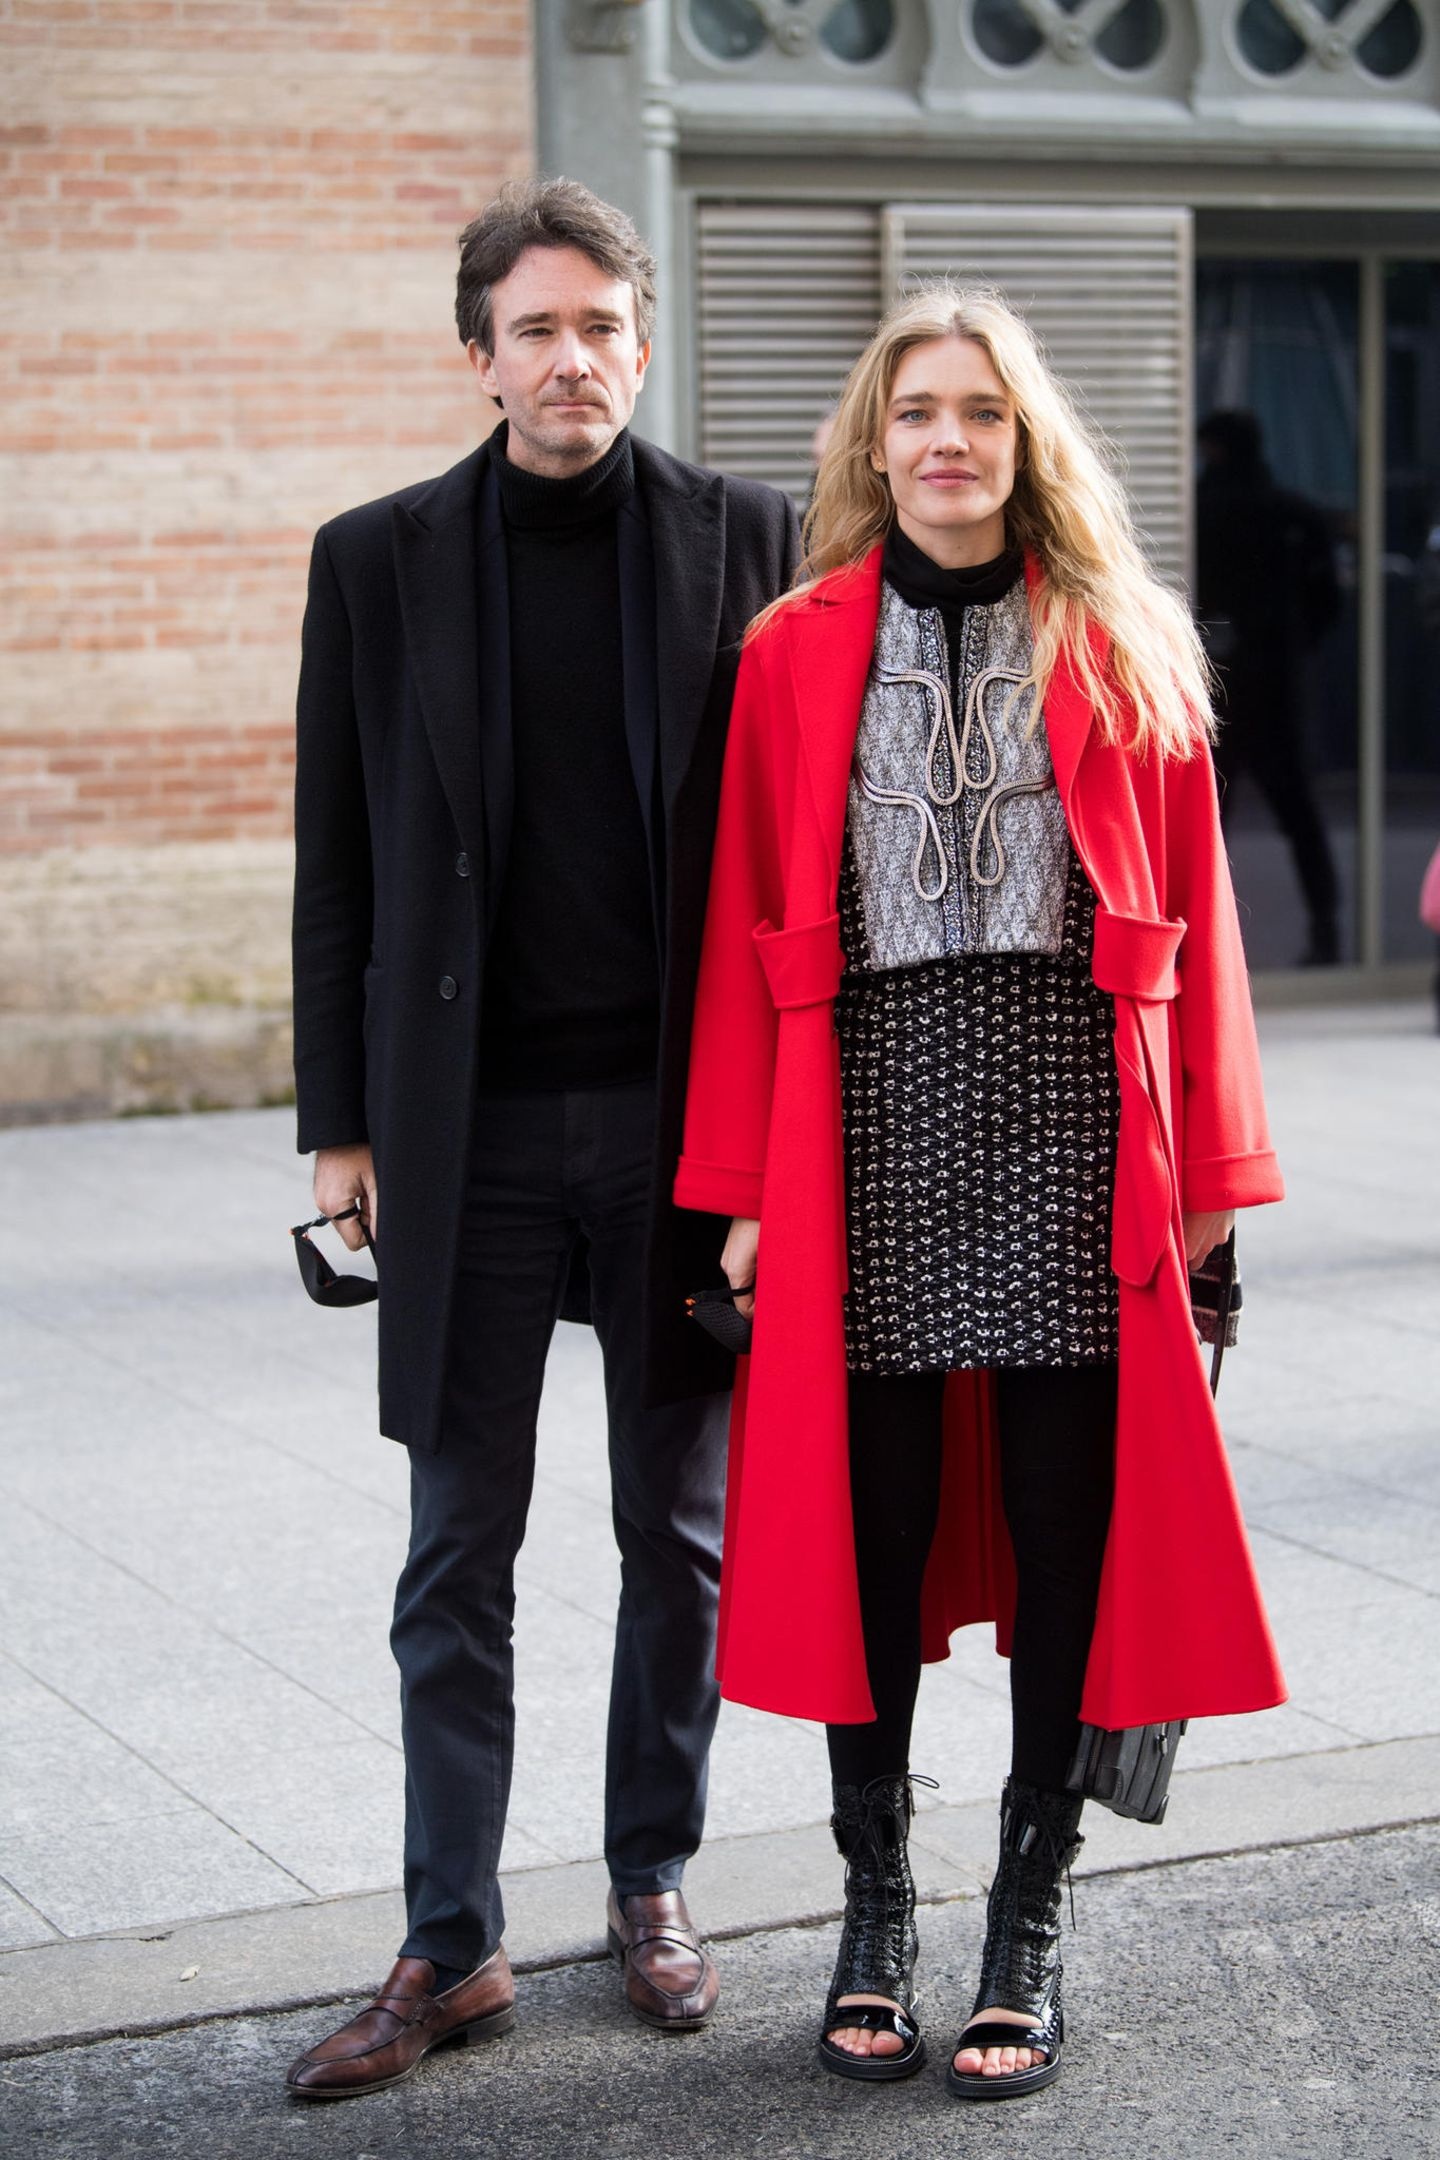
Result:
[
  {"x": 1364, "y": 1567},
  {"x": 149, "y": 2029},
  {"x": 196, "y": 1620}
]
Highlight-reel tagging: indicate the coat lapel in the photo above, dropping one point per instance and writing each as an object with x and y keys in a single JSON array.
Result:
[
  {"x": 1097, "y": 784},
  {"x": 496, "y": 729},
  {"x": 437, "y": 574},
  {"x": 638, "y": 663},
  {"x": 831, "y": 644},
  {"x": 1067, "y": 712},
  {"x": 687, "y": 530}
]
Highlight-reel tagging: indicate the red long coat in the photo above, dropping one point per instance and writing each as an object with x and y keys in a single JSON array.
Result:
[{"x": 1180, "y": 1631}]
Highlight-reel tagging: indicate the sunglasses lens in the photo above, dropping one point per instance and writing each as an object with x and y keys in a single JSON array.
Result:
[{"x": 324, "y": 1285}]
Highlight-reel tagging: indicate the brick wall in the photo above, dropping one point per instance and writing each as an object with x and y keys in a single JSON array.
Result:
[{"x": 226, "y": 286}]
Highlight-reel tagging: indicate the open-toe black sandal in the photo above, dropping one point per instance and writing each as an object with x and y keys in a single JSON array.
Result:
[
  {"x": 878, "y": 1945},
  {"x": 1008, "y": 2084},
  {"x": 1020, "y": 1967},
  {"x": 876, "y": 2018}
]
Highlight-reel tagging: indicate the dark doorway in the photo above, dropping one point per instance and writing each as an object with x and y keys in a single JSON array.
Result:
[{"x": 1277, "y": 490}]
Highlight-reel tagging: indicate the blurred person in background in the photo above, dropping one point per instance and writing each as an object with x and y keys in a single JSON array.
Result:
[
  {"x": 974, "y": 1070},
  {"x": 1266, "y": 593}
]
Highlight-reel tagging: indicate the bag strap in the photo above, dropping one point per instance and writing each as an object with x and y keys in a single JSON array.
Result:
[{"x": 1224, "y": 1298}]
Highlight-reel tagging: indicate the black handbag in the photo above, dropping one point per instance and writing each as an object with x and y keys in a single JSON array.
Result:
[{"x": 1129, "y": 1771}]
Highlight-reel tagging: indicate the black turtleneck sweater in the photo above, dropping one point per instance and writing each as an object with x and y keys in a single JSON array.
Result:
[
  {"x": 572, "y": 987},
  {"x": 923, "y": 583}
]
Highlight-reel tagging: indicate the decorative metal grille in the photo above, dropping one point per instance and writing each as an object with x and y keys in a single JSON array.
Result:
[
  {"x": 853, "y": 30},
  {"x": 1374, "y": 37},
  {"x": 1124, "y": 34}
]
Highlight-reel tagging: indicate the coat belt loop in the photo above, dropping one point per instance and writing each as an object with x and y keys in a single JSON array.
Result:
[
  {"x": 1135, "y": 955},
  {"x": 803, "y": 965}
]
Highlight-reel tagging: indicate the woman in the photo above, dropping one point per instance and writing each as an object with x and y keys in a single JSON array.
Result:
[{"x": 970, "y": 1128}]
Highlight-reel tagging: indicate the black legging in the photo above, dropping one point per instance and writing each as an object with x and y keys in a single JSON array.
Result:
[{"x": 1057, "y": 1451}]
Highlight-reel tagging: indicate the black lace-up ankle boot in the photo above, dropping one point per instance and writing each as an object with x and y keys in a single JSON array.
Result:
[
  {"x": 1020, "y": 1968},
  {"x": 878, "y": 1945}
]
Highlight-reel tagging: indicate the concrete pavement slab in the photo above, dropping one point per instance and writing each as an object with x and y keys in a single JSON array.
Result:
[
  {"x": 21, "y": 1926},
  {"x": 1371, "y": 1666},
  {"x": 89, "y": 1878},
  {"x": 1395, "y": 1538},
  {"x": 1225, "y": 2006},
  {"x": 326, "y": 1815}
]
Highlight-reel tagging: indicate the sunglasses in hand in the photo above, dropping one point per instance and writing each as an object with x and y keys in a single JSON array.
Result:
[{"x": 323, "y": 1283}]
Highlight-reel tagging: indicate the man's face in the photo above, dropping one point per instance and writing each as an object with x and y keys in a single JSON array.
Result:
[{"x": 567, "y": 365}]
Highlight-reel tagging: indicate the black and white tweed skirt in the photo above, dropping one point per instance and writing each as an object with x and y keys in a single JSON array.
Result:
[{"x": 981, "y": 1111}]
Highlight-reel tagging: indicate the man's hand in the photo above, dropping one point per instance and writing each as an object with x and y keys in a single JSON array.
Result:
[
  {"x": 1204, "y": 1232},
  {"x": 344, "y": 1175},
  {"x": 738, "y": 1260}
]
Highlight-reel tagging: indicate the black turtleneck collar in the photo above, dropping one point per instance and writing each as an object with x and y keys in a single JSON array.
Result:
[
  {"x": 922, "y": 582},
  {"x": 531, "y": 502}
]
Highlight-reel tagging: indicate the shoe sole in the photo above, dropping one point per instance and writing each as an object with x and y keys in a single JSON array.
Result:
[
  {"x": 655, "y": 2019},
  {"x": 472, "y": 2035}
]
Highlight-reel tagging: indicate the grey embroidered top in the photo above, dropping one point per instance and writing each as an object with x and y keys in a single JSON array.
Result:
[
  {"x": 980, "y": 1102},
  {"x": 956, "y": 827}
]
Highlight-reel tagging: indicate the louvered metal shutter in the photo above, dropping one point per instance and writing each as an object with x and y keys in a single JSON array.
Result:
[
  {"x": 1109, "y": 293},
  {"x": 788, "y": 294}
]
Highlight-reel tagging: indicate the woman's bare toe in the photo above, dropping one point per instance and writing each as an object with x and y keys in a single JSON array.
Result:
[
  {"x": 995, "y": 2061},
  {"x": 859, "y": 2040}
]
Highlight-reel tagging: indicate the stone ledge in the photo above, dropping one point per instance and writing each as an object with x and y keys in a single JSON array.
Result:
[
  {"x": 291, "y": 1957},
  {"x": 57, "y": 1067}
]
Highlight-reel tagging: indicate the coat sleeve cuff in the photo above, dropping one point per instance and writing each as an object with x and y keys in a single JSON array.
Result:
[
  {"x": 341, "y": 1129},
  {"x": 1212, "y": 1183},
  {"x": 718, "y": 1189}
]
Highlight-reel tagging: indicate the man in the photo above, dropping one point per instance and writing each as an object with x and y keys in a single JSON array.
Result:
[{"x": 514, "y": 692}]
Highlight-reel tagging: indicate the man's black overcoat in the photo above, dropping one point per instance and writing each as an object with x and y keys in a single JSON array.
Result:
[{"x": 402, "y": 811}]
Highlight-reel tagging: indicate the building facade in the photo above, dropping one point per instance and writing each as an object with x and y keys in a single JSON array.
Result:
[
  {"x": 226, "y": 296},
  {"x": 1201, "y": 204},
  {"x": 226, "y": 315}
]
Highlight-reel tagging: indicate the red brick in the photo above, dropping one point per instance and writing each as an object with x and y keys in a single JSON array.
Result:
[{"x": 196, "y": 183}]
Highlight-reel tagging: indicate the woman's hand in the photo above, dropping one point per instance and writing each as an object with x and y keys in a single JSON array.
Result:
[
  {"x": 1204, "y": 1232},
  {"x": 738, "y": 1260}
]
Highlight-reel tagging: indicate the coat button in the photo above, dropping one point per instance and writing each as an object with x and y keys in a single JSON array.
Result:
[
  {"x": 462, "y": 866},
  {"x": 449, "y": 988}
]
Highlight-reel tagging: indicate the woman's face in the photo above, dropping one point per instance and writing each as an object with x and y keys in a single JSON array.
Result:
[{"x": 948, "y": 451}]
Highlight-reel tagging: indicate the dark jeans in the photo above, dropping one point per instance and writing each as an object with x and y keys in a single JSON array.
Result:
[
  {"x": 1057, "y": 1457},
  {"x": 543, "y": 1168}
]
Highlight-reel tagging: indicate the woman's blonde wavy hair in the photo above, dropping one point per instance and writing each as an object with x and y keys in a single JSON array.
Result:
[{"x": 1149, "y": 683}]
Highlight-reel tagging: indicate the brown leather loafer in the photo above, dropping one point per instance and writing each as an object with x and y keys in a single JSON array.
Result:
[
  {"x": 389, "y": 2038},
  {"x": 670, "y": 1982}
]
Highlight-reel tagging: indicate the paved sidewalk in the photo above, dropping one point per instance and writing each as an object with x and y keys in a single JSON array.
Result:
[
  {"x": 201, "y": 1530},
  {"x": 1220, "y": 2007}
]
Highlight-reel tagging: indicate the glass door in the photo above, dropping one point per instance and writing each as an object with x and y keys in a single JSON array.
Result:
[
  {"x": 1411, "y": 606},
  {"x": 1317, "y": 390}
]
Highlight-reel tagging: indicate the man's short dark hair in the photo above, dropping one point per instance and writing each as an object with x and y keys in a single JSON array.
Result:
[{"x": 547, "y": 214}]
